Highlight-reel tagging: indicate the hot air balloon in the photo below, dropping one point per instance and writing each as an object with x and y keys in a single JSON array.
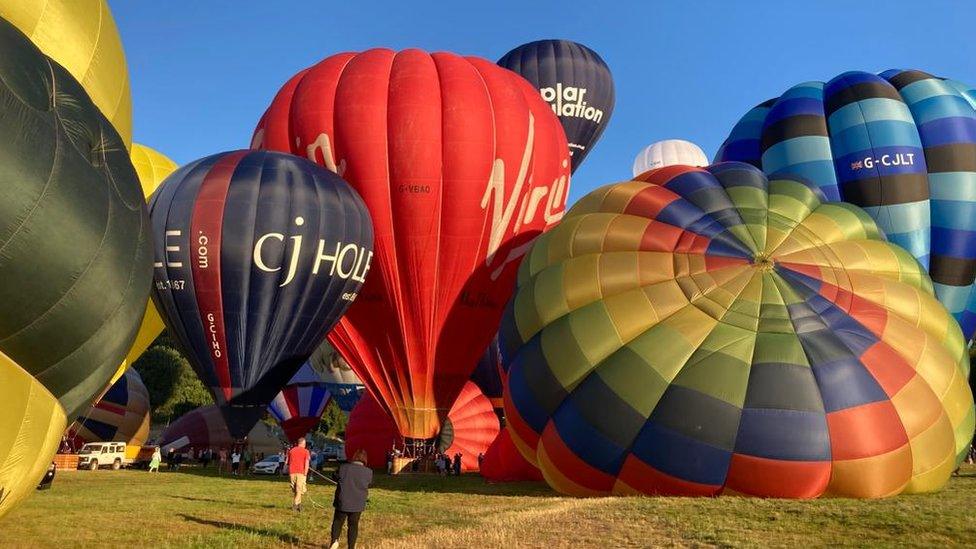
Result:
[
  {"x": 298, "y": 407},
  {"x": 901, "y": 144},
  {"x": 461, "y": 164},
  {"x": 669, "y": 152},
  {"x": 504, "y": 463},
  {"x": 337, "y": 376},
  {"x": 470, "y": 428},
  {"x": 74, "y": 258},
  {"x": 30, "y": 429},
  {"x": 707, "y": 331},
  {"x": 575, "y": 82},
  {"x": 257, "y": 255},
  {"x": 82, "y": 37},
  {"x": 152, "y": 167},
  {"x": 121, "y": 415},
  {"x": 487, "y": 374},
  {"x": 204, "y": 427}
]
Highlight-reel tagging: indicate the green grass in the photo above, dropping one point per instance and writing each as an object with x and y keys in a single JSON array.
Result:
[{"x": 191, "y": 508}]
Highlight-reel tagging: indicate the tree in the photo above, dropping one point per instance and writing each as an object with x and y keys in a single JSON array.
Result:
[
  {"x": 333, "y": 420},
  {"x": 173, "y": 386}
]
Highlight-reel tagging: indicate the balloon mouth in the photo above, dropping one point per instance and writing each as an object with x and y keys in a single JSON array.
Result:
[
  {"x": 763, "y": 262},
  {"x": 417, "y": 447}
]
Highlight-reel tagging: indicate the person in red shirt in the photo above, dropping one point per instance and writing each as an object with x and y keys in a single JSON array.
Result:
[{"x": 297, "y": 459}]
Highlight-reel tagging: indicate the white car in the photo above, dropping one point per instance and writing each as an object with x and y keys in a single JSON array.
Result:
[
  {"x": 271, "y": 465},
  {"x": 102, "y": 454}
]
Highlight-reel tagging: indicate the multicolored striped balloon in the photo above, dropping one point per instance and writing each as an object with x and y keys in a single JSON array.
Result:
[
  {"x": 299, "y": 405},
  {"x": 709, "y": 331},
  {"x": 122, "y": 414},
  {"x": 901, "y": 144}
]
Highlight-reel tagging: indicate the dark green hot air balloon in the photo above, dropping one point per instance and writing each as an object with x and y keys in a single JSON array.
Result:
[{"x": 75, "y": 254}]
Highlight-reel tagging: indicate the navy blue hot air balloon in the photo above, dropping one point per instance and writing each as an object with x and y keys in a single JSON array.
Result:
[
  {"x": 901, "y": 144},
  {"x": 258, "y": 254},
  {"x": 575, "y": 81},
  {"x": 487, "y": 374}
]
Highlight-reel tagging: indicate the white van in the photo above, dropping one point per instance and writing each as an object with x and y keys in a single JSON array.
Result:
[{"x": 102, "y": 454}]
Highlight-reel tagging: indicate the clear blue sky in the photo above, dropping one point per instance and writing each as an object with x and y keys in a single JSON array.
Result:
[{"x": 203, "y": 71}]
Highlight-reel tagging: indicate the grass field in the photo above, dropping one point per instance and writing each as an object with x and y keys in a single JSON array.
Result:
[{"x": 199, "y": 509}]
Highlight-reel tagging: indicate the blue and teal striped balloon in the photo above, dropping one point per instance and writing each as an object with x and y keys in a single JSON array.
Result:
[{"x": 900, "y": 144}]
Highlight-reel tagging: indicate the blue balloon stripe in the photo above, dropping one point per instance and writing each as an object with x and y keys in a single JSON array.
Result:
[
  {"x": 880, "y": 135},
  {"x": 779, "y": 157},
  {"x": 867, "y": 111}
]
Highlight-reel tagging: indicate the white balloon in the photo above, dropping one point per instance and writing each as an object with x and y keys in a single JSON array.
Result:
[{"x": 668, "y": 153}]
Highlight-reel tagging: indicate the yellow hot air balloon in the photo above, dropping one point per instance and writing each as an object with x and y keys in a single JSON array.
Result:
[
  {"x": 152, "y": 167},
  {"x": 81, "y": 35},
  {"x": 30, "y": 429}
]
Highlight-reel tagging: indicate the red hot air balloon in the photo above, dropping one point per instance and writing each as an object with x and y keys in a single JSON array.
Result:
[
  {"x": 461, "y": 164},
  {"x": 257, "y": 254},
  {"x": 470, "y": 428},
  {"x": 504, "y": 463}
]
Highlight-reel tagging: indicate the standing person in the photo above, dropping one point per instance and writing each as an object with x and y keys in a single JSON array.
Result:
[
  {"x": 481, "y": 459},
  {"x": 389, "y": 462},
  {"x": 352, "y": 489},
  {"x": 205, "y": 458},
  {"x": 222, "y": 462},
  {"x": 154, "y": 461},
  {"x": 457, "y": 464},
  {"x": 235, "y": 461},
  {"x": 247, "y": 460},
  {"x": 298, "y": 460}
]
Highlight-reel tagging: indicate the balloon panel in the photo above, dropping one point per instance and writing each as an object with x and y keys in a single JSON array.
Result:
[{"x": 709, "y": 331}]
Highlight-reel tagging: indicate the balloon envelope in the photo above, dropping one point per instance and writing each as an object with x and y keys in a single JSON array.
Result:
[
  {"x": 338, "y": 377},
  {"x": 504, "y": 463},
  {"x": 709, "y": 331},
  {"x": 575, "y": 82},
  {"x": 902, "y": 144},
  {"x": 82, "y": 37},
  {"x": 121, "y": 415},
  {"x": 75, "y": 254},
  {"x": 258, "y": 254},
  {"x": 461, "y": 164},
  {"x": 298, "y": 407},
  {"x": 487, "y": 374},
  {"x": 30, "y": 428},
  {"x": 204, "y": 428},
  {"x": 152, "y": 167},
  {"x": 669, "y": 152},
  {"x": 470, "y": 428}
]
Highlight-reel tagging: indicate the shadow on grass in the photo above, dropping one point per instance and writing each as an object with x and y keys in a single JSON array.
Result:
[
  {"x": 210, "y": 472},
  {"x": 470, "y": 483},
  {"x": 263, "y": 532},
  {"x": 225, "y": 501}
]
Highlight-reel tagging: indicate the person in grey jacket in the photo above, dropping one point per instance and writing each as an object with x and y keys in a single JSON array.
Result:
[{"x": 352, "y": 489}]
